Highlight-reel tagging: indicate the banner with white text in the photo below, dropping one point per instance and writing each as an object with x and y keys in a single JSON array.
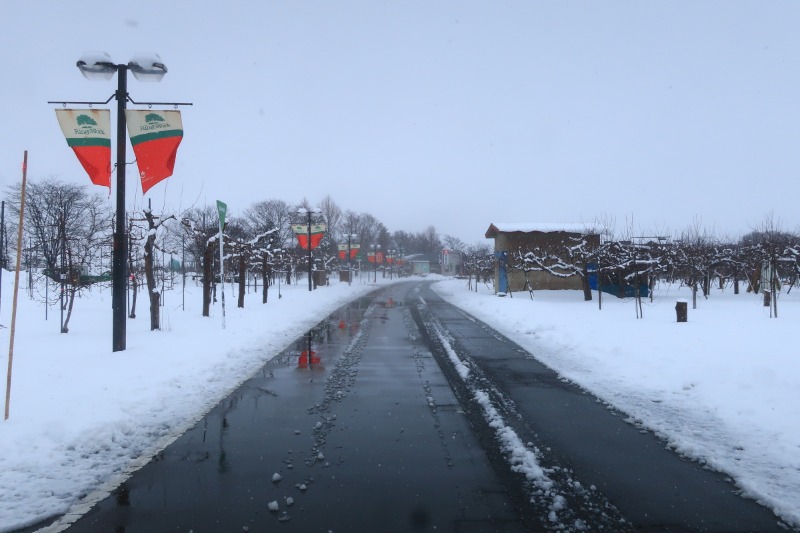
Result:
[
  {"x": 88, "y": 134},
  {"x": 155, "y": 136}
]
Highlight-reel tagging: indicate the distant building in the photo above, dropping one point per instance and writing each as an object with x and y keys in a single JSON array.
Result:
[
  {"x": 451, "y": 262},
  {"x": 423, "y": 264},
  {"x": 421, "y": 267},
  {"x": 514, "y": 237}
]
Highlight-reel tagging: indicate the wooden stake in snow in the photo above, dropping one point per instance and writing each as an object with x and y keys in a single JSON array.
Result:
[{"x": 16, "y": 282}]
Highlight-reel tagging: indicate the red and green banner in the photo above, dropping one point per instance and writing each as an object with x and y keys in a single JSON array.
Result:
[
  {"x": 88, "y": 133},
  {"x": 317, "y": 233},
  {"x": 155, "y": 136},
  {"x": 354, "y": 249}
]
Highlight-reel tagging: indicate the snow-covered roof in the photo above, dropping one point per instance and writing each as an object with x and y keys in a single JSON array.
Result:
[{"x": 527, "y": 227}]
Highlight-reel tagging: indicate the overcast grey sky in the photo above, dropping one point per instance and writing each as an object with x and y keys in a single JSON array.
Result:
[{"x": 452, "y": 113}]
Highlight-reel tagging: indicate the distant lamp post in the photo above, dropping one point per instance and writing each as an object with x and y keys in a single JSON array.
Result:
[
  {"x": 390, "y": 260},
  {"x": 350, "y": 237},
  {"x": 376, "y": 249},
  {"x": 99, "y": 66},
  {"x": 308, "y": 214}
]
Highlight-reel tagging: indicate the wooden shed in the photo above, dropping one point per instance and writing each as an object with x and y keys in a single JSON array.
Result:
[{"x": 510, "y": 238}]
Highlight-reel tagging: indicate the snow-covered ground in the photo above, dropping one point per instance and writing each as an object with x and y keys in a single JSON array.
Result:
[{"x": 722, "y": 388}]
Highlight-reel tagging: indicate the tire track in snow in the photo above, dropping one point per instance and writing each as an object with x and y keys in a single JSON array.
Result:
[{"x": 559, "y": 502}]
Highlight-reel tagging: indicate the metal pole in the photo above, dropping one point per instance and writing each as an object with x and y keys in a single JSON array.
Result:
[
  {"x": 349, "y": 263},
  {"x": 183, "y": 273},
  {"x": 62, "y": 273},
  {"x": 221, "y": 274},
  {"x": 309, "y": 251},
  {"x": 119, "y": 272},
  {"x": 2, "y": 242},
  {"x": 309, "y": 349}
]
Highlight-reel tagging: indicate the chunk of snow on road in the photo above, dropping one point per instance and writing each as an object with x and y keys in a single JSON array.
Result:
[
  {"x": 521, "y": 459},
  {"x": 461, "y": 368}
]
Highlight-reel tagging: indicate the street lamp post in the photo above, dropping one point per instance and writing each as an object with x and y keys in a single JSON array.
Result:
[
  {"x": 309, "y": 213},
  {"x": 98, "y": 66},
  {"x": 349, "y": 258},
  {"x": 391, "y": 262},
  {"x": 103, "y": 68},
  {"x": 376, "y": 248}
]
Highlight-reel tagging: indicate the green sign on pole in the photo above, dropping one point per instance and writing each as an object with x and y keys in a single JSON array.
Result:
[{"x": 222, "y": 209}]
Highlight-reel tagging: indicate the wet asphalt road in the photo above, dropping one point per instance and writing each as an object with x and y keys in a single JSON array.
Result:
[
  {"x": 380, "y": 434},
  {"x": 370, "y": 438}
]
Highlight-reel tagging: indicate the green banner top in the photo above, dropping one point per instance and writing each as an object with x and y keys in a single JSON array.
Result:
[{"x": 222, "y": 209}]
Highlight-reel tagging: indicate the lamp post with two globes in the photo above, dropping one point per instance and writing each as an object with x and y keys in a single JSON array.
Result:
[{"x": 99, "y": 66}]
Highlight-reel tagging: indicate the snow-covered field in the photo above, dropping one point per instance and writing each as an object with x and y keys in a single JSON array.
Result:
[{"x": 721, "y": 388}]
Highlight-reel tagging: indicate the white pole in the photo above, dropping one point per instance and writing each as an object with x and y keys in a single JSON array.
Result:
[{"x": 221, "y": 276}]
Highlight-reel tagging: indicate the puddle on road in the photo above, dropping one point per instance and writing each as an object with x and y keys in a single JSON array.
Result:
[{"x": 324, "y": 341}]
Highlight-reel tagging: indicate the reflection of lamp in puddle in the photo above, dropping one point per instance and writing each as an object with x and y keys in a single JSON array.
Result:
[
  {"x": 303, "y": 361},
  {"x": 308, "y": 356}
]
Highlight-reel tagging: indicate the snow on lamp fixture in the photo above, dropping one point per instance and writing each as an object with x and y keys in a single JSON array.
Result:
[
  {"x": 97, "y": 66},
  {"x": 147, "y": 67}
]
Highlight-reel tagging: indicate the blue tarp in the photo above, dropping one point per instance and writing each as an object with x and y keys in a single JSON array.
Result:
[
  {"x": 502, "y": 281},
  {"x": 627, "y": 290}
]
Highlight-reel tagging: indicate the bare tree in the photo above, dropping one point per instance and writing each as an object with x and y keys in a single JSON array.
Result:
[
  {"x": 454, "y": 243},
  {"x": 202, "y": 228},
  {"x": 428, "y": 240},
  {"x": 695, "y": 259},
  {"x": 55, "y": 210},
  {"x": 70, "y": 228},
  {"x": 271, "y": 215},
  {"x": 154, "y": 223},
  {"x": 772, "y": 250},
  {"x": 332, "y": 214}
]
